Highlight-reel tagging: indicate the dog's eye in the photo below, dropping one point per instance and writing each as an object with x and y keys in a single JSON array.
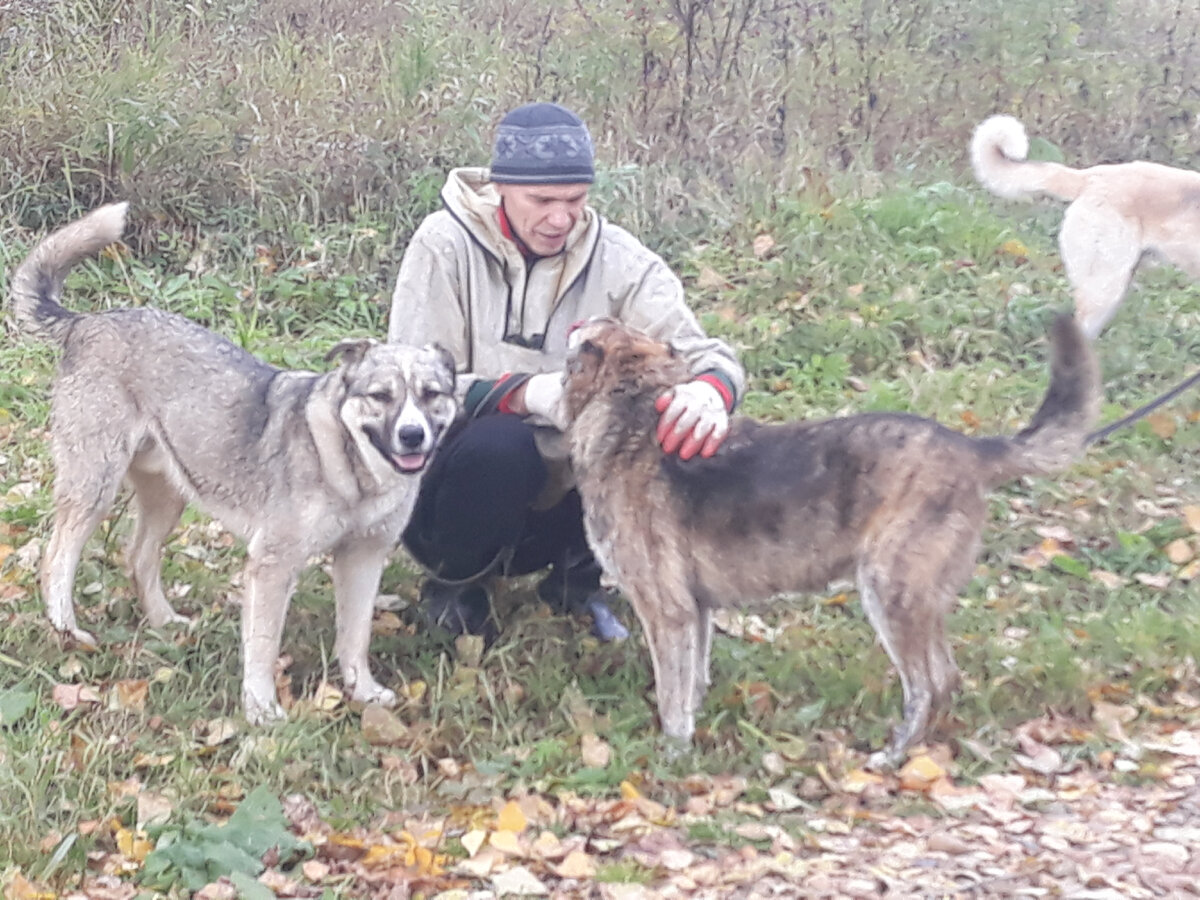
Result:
[
  {"x": 381, "y": 396},
  {"x": 429, "y": 394}
]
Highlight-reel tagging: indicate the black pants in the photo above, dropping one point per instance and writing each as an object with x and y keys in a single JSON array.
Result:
[{"x": 475, "y": 507}]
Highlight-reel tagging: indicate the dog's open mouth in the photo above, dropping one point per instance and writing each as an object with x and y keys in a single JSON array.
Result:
[{"x": 409, "y": 462}]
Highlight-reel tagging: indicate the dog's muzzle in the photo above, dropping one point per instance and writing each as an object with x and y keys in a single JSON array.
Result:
[{"x": 412, "y": 451}]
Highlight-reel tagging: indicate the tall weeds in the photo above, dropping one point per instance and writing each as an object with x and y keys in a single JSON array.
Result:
[{"x": 233, "y": 114}]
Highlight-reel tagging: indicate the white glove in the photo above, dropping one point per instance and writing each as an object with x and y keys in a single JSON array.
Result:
[
  {"x": 694, "y": 419},
  {"x": 543, "y": 397}
]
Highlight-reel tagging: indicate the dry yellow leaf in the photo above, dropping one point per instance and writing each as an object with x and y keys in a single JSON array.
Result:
[
  {"x": 506, "y": 842},
  {"x": 1013, "y": 247},
  {"x": 1191, "y": 515},
  {"x": 577, "y": 864},
  {"x": 511, "y": 818},
  {"x": 130, "y": 694},
  {"x": 920, "y": 772},
  {"x": 133, "y": 845},
  {"x": 858, "y": 780},
  {"x": 629, "y": 792},
  {"x": 20, "y": 888},
  {"x": 327, "y": 697}
]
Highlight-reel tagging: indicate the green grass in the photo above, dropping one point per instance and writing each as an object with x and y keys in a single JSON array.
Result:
[{"x": 938, "y": 327}]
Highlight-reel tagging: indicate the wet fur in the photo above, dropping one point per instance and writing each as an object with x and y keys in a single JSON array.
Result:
[
  {"x": 895, "y": 501},
  {"x": 1118, "y": 214},
  {"x": 295, "y": 463}
]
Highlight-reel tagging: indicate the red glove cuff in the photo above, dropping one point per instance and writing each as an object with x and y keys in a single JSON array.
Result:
[{"x": 722, "y": 388}]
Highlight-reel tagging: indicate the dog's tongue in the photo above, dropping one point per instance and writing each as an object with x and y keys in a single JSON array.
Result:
[{"x": 410, "y": 462}]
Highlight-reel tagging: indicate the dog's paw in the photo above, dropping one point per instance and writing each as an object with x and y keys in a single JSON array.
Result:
[
  {"x": 884, "y": 761},
  {"x": 373, "y": 692},
  {"x": 261, "y": 710},
  {"x": 172, "y": 620},
  {"x": 80, "y": 636}
]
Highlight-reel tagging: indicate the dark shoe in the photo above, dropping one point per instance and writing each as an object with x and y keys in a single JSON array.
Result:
[
  {"x": 459, "y": 608},
  {"x": 578, "y": 593}
]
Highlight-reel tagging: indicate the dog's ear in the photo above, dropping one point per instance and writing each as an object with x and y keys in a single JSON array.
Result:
[
  {"x": 444, "y": 358},
  {"x": 350, "y": 351}
]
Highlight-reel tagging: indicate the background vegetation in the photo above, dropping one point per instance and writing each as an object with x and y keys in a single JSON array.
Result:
[{"x": 803, "y": 165}]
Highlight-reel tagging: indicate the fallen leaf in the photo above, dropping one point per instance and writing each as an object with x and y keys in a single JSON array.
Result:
[
  {"x": 594, "y": 751},
  {"x": 511, "y": 818},
  {"x": 518, "y": 880},
  {"x": 1110, "y": 580},
  {"x": 130, "y": 694},
  {"x": 763, "y": 245},
  {"x": 920, "y": 773},
  {"x": 506, "y": 842},
  {"x": 382, "y": 727},
  {"x": 72, "y": 696},
  {"x": 1111, "y": 717},
  {"x": 1179, "y": 552},
  {"x": 1162, "y": 424},
  {"x": 473, "y": 840},
  {"x": 576, "y": 864},
  {"x": 1191, "y": 515}
]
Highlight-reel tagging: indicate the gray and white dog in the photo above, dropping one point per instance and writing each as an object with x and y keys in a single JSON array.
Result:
[{"x": 295, "y": 463}]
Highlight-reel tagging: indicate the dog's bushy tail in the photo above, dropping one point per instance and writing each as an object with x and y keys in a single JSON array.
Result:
[
  {"x": 1059, "y": 429},
  {"x": 37, "y": 284},
  {"x": 999, "y": 151}
]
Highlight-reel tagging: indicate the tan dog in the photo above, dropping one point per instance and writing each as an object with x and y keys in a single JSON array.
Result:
[
  {"x": 1118, "y": 214},
  {"x": 895, "y": 501},
  {"x": 296, "y": 463}
]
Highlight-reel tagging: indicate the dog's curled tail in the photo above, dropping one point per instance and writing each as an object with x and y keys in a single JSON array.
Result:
[
  {"x": 38, "y": 283},
  {"x": 999, "y": 151},
  {"x": 1058, "y": 432}
]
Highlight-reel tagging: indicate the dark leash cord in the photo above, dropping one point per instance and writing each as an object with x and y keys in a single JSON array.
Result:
[{"x": 1154, "y": 404}]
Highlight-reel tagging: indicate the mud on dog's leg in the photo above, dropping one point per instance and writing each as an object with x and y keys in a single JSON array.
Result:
[
  {"x": 270, "y": 581},
  {"x": 356, "y": 568}
]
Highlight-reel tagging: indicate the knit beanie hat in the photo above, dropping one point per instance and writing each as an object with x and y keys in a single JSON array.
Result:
[{"x": 542, "y": 143}]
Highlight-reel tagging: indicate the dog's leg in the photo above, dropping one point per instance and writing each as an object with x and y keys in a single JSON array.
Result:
[
  {"x": 159, "y": 507},
  {"x": 1100, "y": 251},
  {"x": 356, "y": 568},
  {"x": 670, "y": 622},
  {"x": 270, "y": 581},
  {"x": 889, "y": 608},
  {"x": 704, "y": 636},
  {"x": 73, "y": 525},
  {"x": 84, "y": 491}
]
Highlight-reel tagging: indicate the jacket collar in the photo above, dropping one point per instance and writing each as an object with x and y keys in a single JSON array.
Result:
[{"x": 475, "y": 203}]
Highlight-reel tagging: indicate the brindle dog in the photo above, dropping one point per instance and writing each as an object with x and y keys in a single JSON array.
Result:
[{"x": 894, "y": 500}]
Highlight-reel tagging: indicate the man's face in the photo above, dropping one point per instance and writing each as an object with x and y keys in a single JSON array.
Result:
[{"x": 542, "y": 215}]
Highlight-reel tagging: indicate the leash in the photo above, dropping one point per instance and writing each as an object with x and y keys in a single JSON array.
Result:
[{"x": 1154, "y": 404}]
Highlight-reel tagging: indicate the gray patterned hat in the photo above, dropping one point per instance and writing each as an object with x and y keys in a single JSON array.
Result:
[{"x": 542, "y": 143}]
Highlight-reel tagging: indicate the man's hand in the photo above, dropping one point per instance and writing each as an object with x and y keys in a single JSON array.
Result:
[
  {"x": 694, "y": 419},
  {"x": 541, "y": 396}
]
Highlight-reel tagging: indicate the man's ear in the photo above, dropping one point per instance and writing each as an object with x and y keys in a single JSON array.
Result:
[{"x": 350, "y": 351}]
